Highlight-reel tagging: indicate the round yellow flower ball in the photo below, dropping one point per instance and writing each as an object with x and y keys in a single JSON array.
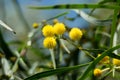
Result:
[
  {"x": 116, "y": 62},
  {"x": 59, "y": 28},
  {"x": 75, "y": 34},
  {"x": 35, "y": 25},
  {"x": 97, "y": 72},
  {"x": 105, "y": 60},
  {"x": 49, "y": 42},
  {"x": 55, "y": 21},
  {"x": 48, "y": 31}
]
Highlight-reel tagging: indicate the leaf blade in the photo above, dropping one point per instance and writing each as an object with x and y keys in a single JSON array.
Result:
[
  {"x": 75, "y": 6},
  {"x": 54, "y": 71}
]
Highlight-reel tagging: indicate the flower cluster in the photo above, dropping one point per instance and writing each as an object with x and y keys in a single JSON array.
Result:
[
  {"x": 53, "y": 32},
  {"x": 106, "y": 60},
  {"x": 50, "y": 31},
  {"x": 59, "y": 29}
]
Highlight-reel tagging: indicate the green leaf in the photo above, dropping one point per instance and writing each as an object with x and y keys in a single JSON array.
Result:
[
  {"x": 59, "y": 15},
  {"x": 54, "y": 72},
  {"x": 114, "y": 56},
  {"x": 76, "y": 6},
  {"x": 114, "y": 24},
  {"x": 92, "y": 65},
  {"x": 4, "y": 48}
]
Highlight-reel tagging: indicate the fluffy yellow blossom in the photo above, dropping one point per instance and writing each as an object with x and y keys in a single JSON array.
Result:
[
  {"x": 116, "y": 62},
  {"x": 55, "y": 21},
  {"x": 75, "y": 34},
  {"x": 48, "y": 31},
  {"x": 97, "y": 72},
  {"x": 35, "y": 25},
  {"x": 49, "y": 42},
  {"x": 105, "y": 60},
  {"x": 59, "y": 28}
]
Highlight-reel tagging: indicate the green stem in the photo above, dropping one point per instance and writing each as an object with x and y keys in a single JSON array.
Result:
[
  {"x": 75, "y": 59},
  {"x": 58, "y": 51},
  {"x": 61, "y": 55},
  {"x": 63, "y": 44},
  {"x": 53, "y": 58},
  {"x": 113, "y": 71},
  {"x": 88, "y": 54},
  {"x": 15, "y": 66}
]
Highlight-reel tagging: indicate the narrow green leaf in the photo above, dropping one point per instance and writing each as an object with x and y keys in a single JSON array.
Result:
[
  {"x": 91, "y": 66},
  {"x": 54, "y": 72},
  {"x": 59, "y": 15},
  {"x": 113, "y": 55},
  {"x": 114, "y": 24},
  {"x": 76, "y": 6},
  {"x": 94, "y": 50},
  {"x": 4, "y": 48}
]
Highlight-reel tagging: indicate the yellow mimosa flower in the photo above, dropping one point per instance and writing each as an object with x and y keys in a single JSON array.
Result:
[
  {"x": 75, "y": 34},
  {"x": 59, "y": 28},
  {"x": 116, "y": 62},
  {"x": 35, "y": 25},
  {"x": 48, "y": 31},
  {"x": 105, "y": 60},
  {"x": 55, "y": 21},
  {"x": 97, "y": 72},
  {"x": 49, "y": 42}
]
